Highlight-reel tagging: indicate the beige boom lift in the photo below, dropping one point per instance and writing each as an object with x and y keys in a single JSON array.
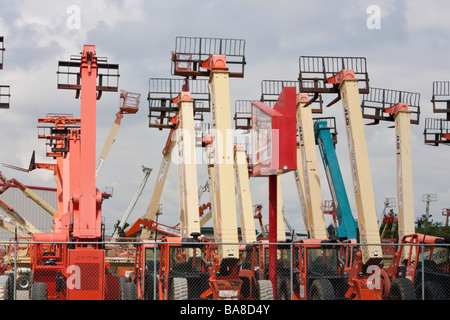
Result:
[
  {"x": 18, "y": 219},
  {"x": 339, "y": 75},
  {"x": 402, "y": 108},
  {"x": 28, "y": 193},
  {"x": 213, "y": 58},
  {"x": 244, "y": 198},
  {"x": 166, "y": 103},
  {"x": 437, "y": 130},
  {"x": 129, "y": 104},
  {"x": 133, "y": 202}
]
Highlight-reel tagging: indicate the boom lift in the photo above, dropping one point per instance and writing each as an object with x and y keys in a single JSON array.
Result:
[
  {"x": 55, "y": 129},
  {"x": 5, "y": 92},
  {"x": 244, "y": 198},
  {"x": 18, "y": 219},
  {"x": 10, "y": 225},
  {"x": 214, "y": 58},
  {"x": 424, "y": 261},
  {"x": 133, "y": 202},
  {"x": 403, "y": 108},
  {"x": 78, "y": 271},
  {"x": 422, "y": 273},
  {"x": 325, "y": 131},
  {"x": 164, "y": 114},
  {"x": 347, "y": 77},
  {"x": 437, "y": 131},
  {"x": 27, "y": 192},
  {"x": 129, "y": 104},
  {"x": 168, "y": 104}
]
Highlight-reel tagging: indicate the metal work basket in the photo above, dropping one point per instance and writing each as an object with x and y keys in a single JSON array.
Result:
[
  {"x": 441, "y": 97},
  {"x": 5, "y": 96},
  {"x": 331, "y": 125},
  {"x": 243, "y": 114},
  {"x": 375, "y": 103},
  {"x": 129, "y": 102},
  {"x": 316, "y": 70},
  {"x": 163, "y": 91},
  {"x": 437, "y": 131},
  {"x": 190, "y": 52},
  {"x": 271, "y": 90},
  {"x": 68, "y": 75}
]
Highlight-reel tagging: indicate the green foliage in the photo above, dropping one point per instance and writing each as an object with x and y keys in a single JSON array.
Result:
[{"x": 430, "y": 227}]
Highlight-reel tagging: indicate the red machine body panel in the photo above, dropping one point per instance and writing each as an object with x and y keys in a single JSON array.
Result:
[
  {"x": 86, "y": 274},
  {"x": 274, "y": 135}
]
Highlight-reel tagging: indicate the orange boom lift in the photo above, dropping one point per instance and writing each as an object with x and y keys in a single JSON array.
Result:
[{"x": 70, "y": 264}]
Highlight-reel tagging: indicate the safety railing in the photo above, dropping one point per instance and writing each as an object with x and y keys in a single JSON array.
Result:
[
  {"x": 190, "y": 52},
  {"x": 5, "y": 96},
  {"x": 436, "y": 131},
  {"x": 162, "y": 106},
  {"x": 317, "y": 70},
  {"x": 375, "y": 104}
]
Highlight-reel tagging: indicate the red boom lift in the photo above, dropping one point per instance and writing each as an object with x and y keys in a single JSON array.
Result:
[{"x": 70, "y": 264}]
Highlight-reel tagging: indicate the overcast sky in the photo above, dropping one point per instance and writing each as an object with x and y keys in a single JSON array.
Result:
[{"x": 406, "y": 47}]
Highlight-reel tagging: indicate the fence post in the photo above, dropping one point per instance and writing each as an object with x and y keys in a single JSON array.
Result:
[
  {"x": 15, "y": 265},
  {"x": 155, "y": 283},
  {"x": 423, "y": 271},
  {"x": 292, "y": 272}
]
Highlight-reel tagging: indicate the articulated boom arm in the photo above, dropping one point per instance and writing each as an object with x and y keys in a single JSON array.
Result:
[
  {"x": 149, "y": 224},
  {"x": 129, "y": 104},
  {"x": 347, "y": 228}
]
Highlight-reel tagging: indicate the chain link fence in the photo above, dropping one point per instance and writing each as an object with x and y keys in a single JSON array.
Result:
[{"x": 202, "y": 270}]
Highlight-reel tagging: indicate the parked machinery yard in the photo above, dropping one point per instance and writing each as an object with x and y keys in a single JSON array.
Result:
[{"x": 153, "y": 261}]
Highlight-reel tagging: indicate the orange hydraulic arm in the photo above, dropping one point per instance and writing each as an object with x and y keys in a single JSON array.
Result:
[
  {"x": 152, "y": 225},
  {"x": 258, "y": 215}
]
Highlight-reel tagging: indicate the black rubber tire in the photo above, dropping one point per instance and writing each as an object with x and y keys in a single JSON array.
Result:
[
  {"x": 432, "y": 291},
  {"x": 321, "y": 289},
  {"x": 5, "y": 287},
  {"x": 178, "y": 289},
  {"x": 265, "y": 290},
  {"x": 11, "y": 275},
  {"x": 401, "y": 289},
  {"x": 283, "y": 289},
  {"x": 23, "y": 282},
  {"x": 129, "y": 291},
  {"x": 38, "y": 291}
]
